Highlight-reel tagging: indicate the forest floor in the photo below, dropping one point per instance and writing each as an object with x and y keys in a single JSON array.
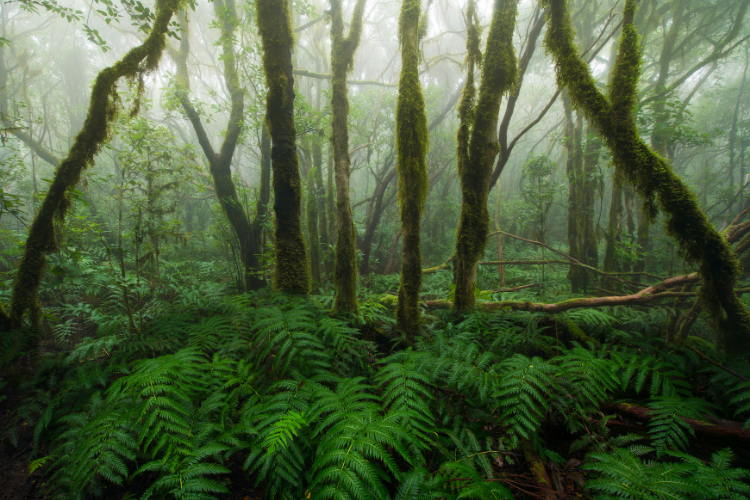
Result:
[
  {"x": 17, "y": 484},
  {"x": 15, "y": 481}
]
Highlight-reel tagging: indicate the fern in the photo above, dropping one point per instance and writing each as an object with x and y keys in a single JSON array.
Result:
[
  {"x": 667, "y": 427},
  {"x": 284, "y": 430},
  {"x": 353, "y": 460},
  {"x": 624, "y": 475},
  {"x": 591, "y": 377},
  {"x": 524, "y": 392},
  {"x": 406, "y": 392}
]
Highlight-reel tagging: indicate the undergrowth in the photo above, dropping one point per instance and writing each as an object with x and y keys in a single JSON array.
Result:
[{"x": 336, "y": 408}]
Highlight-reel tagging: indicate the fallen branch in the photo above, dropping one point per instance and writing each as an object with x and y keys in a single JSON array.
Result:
[
  {"x": 645, "y": 297},
  {"x": 712, "y": 428},
  {"x": 504, "y": 290}
]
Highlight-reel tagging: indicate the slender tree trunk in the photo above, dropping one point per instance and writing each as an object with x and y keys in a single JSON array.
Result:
[
  {"x": 499, "y": 236},
  {"x": 411, "y": 144},
  {"x": 342, "y": 60},
  {"x": 477, "y": 146},
  {"x": 576, "y": 215},
  {"x": 390, "y": 267},
  {"x": 220, "y": 165},
  {"x": 330, "y": 201},
  {"x": 256, "y": 280},
  {"x": 320, "y": 195},
  {"x": 612, "y": 238},
  {"x": 291, "y": 273},
  {"x": 312, "y": 231},
  {"x": 88, "y": 142},
  {"x": 590, "y": 165}
]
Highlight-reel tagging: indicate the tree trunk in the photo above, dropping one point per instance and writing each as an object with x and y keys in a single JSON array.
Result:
[
  {"x": 291, "y": 274},
  {"x": 96, "y": 130},
  {"x": 342, "y": 59},
  {"x": 499, "y": 235},
  {"x": 576, "y": 215},
  {"x": 312, "y": 231},
  {"x": 611, "y": 261},
  {"x": 590, "y": 164},
  {"x": 411, "y": 144},
  {"x": 320, "y": 194},
  {"x": 477, "y": 146},
  {"x": 220, "y": 165},
  {"x": 648, "y": 172}
]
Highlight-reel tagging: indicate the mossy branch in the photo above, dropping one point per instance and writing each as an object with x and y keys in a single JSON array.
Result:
[
  {"x": 104, "y": 106},
  {"x": 650, "y": 174}
]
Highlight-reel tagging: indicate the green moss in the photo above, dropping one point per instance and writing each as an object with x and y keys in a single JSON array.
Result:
[
  {"x": 650, "y": 174},
  {"x": 411, "y": 145},
  {"x": 104, "y": 106},
  {"x": 576, "y": 333},
  {"x": 291, "y": 273},
  {"x": 477, "y": 144},
  {"x": 342, "y": 59}
]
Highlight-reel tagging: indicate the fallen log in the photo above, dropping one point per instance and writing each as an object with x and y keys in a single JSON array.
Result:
[{"x": 711, "y": 427}]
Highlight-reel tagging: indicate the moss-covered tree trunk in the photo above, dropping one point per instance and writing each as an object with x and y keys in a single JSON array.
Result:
[
  {"x": 411, "y": 145},
  {"x": 477, "y": 145},
  {"x": 342, "y": 59},
  {"x": 291, "y": 272},
  {"x": 103, "y": 109},
  {"x": 648, "y": 172}
]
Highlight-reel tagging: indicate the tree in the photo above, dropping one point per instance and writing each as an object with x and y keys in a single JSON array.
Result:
[
  {"x": 220, "y": 164},
  {"x": 411, "y": 143},
  {"x": 649, "y": 173},
  {"x": 291, "y": 274},
  {"x": 342, "y": 59},
  {"x": 103, "y": 109},
  {"x": 477, "y": 146}
]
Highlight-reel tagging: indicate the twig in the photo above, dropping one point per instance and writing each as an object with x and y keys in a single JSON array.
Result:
[{"x": 516, "y": 288}]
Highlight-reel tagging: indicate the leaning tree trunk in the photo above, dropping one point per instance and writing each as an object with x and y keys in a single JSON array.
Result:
[
  {"x": 342, "y": 59},
  {"x": 291, "y": 273},
  {"x": 103, "y": 109},
  {"x": 648, "y": 172},
  {"x": 411, "y": 144},
  {"x": 477, "y": 146}
]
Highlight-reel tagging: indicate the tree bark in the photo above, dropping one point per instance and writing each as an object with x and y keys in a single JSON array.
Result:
[
  {"x": 411, "y": 144},
  {"x": 342, "y": 60},
  {"x": 291, "y": 272},
  {"x": 477, "y": 146}
]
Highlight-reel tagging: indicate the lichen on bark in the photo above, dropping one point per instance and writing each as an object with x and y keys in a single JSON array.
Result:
[
  {"x": 411, "y": 145},
  {"x": 291, "y": 273},
  {"x": 648, "y": 172},
  {"x": 477, "y": 145},
  {"x": 104, "y": 106}
]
